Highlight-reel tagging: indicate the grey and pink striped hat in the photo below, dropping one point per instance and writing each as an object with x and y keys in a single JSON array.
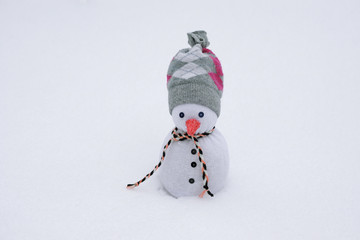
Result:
[{"x": 195, "y": 75}]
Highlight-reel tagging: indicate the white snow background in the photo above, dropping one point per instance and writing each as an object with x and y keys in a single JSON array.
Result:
[{"x": 83, "y": 112}]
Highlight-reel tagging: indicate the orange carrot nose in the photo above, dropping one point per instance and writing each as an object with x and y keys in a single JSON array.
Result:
[{"x": 192, "y": 125}]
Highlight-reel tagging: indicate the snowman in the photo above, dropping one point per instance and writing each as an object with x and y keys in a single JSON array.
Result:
[{"x": 194, "y": 158}]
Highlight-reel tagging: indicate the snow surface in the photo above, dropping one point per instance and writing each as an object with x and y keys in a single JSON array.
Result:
[{"x": 83, "y": 112}]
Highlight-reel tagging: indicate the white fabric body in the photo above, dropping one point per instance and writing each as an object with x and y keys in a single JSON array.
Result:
[
  {"x": 177, "y": 169},
  {"x": 191, "y": 111}
]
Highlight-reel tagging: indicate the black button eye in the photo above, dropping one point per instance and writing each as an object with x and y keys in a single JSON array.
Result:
[
  {"x": 201, "y": 114},
  {"x": 181, "y": 115}
]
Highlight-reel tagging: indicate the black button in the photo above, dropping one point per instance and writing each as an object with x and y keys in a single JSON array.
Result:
[
  {"x": 193, "y": 164},
  {"x": 191, "y": 180},
  {"x": 193, "y": 151}
]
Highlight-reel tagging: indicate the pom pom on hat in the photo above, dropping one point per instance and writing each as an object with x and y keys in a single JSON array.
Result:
[{"x": 198, "y": 37}]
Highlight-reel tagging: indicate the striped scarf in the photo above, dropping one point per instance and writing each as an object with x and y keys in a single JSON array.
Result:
[{"x": 182, "y": 137}]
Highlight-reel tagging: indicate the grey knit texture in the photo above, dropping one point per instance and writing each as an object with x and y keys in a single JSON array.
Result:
[
  {"x": 198, "y": 37},
  {"x": 189, "y": 79}
]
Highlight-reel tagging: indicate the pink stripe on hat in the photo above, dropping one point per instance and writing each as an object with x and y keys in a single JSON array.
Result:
[
  {"x": 217, "y": 65},
  {"x": 206, "y": 50},
  {"x": 217, "y": 80}
]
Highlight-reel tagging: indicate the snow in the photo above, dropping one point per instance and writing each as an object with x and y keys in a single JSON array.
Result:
[{"x": 83, "y": 112}]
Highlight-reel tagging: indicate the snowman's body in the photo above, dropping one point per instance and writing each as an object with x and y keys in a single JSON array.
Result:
[
  {"x": 181, "y": 173},
  {"x": 182, "y": 164}
]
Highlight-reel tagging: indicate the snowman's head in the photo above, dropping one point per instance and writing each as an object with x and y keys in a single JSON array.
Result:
[
  {"x": 195, "y": 83},
  {"x": 193, "y": 118}
]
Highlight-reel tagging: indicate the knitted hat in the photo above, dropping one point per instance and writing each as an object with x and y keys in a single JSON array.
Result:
[{"x": 195, "y": 75}]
